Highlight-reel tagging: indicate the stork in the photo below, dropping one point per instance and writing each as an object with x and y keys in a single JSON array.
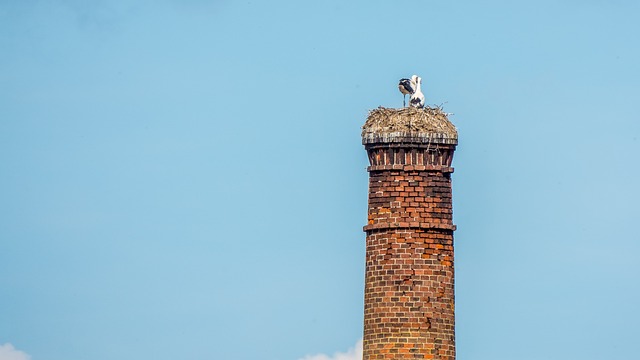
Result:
[
  {"x": 417, "y": 98},
  {"x": 406, "y": 87}
]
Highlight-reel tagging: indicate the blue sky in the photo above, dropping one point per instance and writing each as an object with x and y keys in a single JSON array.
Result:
[{"x": 185, "y": 179}]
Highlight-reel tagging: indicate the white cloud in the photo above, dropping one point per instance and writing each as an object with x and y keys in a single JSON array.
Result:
[
  {"x": 354, "y": 353},
  {"x": 8, "y": 352}
]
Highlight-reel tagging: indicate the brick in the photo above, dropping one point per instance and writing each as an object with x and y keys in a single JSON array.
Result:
[{"x": 409, "y": 275}]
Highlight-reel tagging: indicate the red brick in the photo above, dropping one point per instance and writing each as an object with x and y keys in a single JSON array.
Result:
[{"x": 409, "y": 279}]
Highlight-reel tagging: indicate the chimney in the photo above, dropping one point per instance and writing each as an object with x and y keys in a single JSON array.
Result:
[{"x": 409, "y": 278}]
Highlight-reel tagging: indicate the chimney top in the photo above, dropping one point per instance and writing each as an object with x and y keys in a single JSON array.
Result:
[{"x": 409, "y": 125}]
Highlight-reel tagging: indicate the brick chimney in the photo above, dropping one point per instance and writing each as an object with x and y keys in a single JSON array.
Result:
[{"x": 409, "y": 280}]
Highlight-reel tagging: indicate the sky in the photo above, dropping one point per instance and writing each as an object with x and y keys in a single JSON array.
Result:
[{"x": 186, "y": 179}]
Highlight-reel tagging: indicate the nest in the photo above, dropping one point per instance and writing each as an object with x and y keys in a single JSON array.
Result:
[{"x": 409, "y": 121}]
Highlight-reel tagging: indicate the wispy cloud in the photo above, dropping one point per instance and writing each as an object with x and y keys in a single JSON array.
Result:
[
  {"x": 354, "y": 353},
  {"x": 8, "y": 352}
]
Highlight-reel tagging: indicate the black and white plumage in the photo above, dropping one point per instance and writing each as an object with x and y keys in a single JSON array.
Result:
[
  {"x": 406, "y": 87},
  {"x": 417, "y": 98}
]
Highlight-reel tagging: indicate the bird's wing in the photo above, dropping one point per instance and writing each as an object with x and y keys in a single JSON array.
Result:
[{"x": 406, "y": 85}]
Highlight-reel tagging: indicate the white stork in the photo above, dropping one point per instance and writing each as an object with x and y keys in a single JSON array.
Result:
[
  {"x": 406, "y": 87},
  {"x": 417, "y": 98}
]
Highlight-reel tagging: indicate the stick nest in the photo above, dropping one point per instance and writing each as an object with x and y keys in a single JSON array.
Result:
[{"x": 409, "y": 120}]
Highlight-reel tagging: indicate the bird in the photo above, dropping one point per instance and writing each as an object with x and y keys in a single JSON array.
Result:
[
  {"x": 406, "y": 87},
  {"x": 417, "y": 98}
]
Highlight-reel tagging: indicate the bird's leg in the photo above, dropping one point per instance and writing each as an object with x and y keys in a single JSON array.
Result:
[{"x": 404, "y": 101}]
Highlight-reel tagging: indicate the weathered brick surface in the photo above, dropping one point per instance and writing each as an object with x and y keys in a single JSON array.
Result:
[{"x": 409, "y": 285}]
